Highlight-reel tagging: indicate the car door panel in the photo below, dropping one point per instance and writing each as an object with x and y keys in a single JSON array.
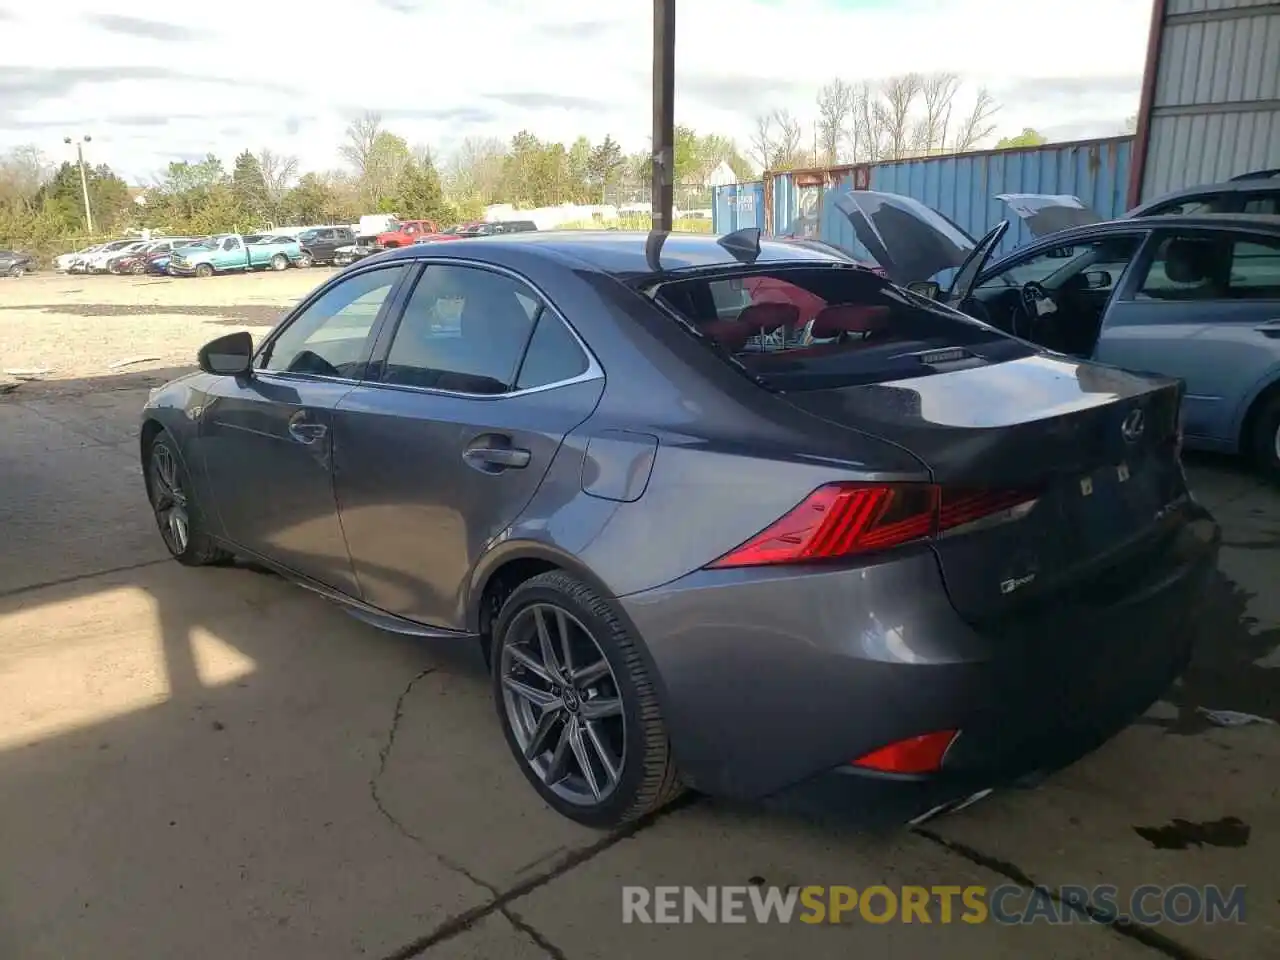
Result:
[
  {"x": 1220, "y": 348},
  {"x": 420, "y": 496},
  {"x": 267, "y": 445}
]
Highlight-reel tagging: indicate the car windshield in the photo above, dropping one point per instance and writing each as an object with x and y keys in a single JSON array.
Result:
[
  {"x": 206, "y": 243},
  {"x": 307, "y": 235},
  {"x": 805, "y": 328}
]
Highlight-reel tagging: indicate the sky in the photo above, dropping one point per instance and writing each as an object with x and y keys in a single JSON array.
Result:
[{"x": 152, "y": 83}]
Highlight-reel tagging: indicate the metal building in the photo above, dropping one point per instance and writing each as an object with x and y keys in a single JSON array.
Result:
[{"x": 1210, "y": 97}]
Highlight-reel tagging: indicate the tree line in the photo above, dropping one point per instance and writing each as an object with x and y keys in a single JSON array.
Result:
[{"x": 912, "y": 114}]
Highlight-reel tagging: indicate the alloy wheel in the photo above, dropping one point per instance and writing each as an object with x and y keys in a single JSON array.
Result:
[
  {"x": 305, "y": 260},
  {"x": 169, "y": 500},
  {"x": 564, "y": 704}
]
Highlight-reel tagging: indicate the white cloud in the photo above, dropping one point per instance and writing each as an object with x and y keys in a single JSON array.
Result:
[{"x": 150, "y": 89}]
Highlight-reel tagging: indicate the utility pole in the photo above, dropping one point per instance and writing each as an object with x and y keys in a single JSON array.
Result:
[
  {"x": 664, "y": 113},
  {"x": 84, "y": 178}
]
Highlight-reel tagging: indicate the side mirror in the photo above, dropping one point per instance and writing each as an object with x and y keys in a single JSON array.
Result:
[
  {"x": 1097, "y": 279},
  {"x": 928, "y": 289},
  {"x": 229, "y": 356}
]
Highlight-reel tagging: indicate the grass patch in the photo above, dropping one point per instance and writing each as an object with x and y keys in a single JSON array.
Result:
[{"x": 639, "y": 222}]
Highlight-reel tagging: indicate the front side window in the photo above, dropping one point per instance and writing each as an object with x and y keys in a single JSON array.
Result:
[
  {"x": 1097, "y": 264},
  {"x": 464, "y": 330},
  {"x": 231, "y": 243},
  {"x": 330, "y": 337}
]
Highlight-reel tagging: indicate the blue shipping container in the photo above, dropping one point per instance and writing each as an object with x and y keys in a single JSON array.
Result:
[
  {"x": 964, "y": 187},
  {"x": 736, "y": 206}
]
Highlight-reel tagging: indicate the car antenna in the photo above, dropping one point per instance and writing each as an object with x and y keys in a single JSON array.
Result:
[{"x": 744, "y": 244}]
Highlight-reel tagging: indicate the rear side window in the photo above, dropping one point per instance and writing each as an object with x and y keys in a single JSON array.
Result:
[
  {"x": 1268, "y": 203},
  {"x": 553, "y": 355},
  {"x": 1206, "y": 203},
  {"x": 1214, "y": 268},
  {"x": 803, "y": 329}
]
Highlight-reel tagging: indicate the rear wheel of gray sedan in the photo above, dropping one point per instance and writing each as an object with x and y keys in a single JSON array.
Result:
[
  {"x": 177, "y": 514},
  {"x": 1266, "y": 439},
  {"x": 577, "y": 705}
]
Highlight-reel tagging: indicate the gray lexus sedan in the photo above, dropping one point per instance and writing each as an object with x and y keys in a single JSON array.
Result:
[{"x": 724, "y": 514}]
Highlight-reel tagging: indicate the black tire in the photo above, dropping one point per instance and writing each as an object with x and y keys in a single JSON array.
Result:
[
  {"x": 306, "y": 260},
  {"x": 138, "y": 269},
  {"x": 1265, "y": 441},
  {"x": 203, "y": 270},
  {"x": 647, "y": 779},
  {"x": 198, "y": 549},
  {"x": 279, "y": 262}
]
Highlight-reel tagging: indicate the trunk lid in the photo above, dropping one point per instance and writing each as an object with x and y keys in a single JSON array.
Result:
[
  {"x": 1095, "y": 446},
  {"x": 1045, "y": 213}
]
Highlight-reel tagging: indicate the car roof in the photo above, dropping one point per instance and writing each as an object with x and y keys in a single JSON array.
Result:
[
  {"x": 1267, "y": 223},
  {"x": 622, "y": 253},
  {"x": 1263, "y": 181}
]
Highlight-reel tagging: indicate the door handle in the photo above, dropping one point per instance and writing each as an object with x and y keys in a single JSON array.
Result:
[
  {"x": 305, "y": 432},
  {"x": 495, "y": 459}
]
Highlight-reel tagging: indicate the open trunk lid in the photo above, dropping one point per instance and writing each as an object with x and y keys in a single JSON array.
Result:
[
  {"x": 1046, "y": 213},
  {"x": 1088, "y": 452}
]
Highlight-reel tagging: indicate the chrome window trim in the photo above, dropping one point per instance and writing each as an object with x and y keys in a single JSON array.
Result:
[{"x": 594, "y": 370}]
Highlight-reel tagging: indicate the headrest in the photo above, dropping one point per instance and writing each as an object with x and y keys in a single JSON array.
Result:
[
  {"x": 847, "y": 318},
  {"x": 1188, "y": 261},
  {"x": 769, "y": 316}
]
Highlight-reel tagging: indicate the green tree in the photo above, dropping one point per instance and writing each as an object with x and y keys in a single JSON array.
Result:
[
  {"x": 250, "y": 187},
  {"x": 688, "y": 160},
  {"x": 311, "y": 200},
  {"x": 419, "y": 195},
  {"x": 62, "y": 198},
  {"x": 1027, "y": 138},
  {"x": 605, "y": 165}
]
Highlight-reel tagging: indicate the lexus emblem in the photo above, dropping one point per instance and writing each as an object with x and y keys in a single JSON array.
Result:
[{"x": 1133, "y": 426}]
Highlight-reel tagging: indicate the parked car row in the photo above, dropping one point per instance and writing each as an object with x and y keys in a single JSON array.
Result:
[
  {"x": 187, "y": 256},
  {"x": 15, "y": 264}
]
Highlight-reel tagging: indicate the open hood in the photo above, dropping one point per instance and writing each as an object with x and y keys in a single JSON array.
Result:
[
  {"x": 909, "y": 240},
  {"x": 1045, "y": 213}
]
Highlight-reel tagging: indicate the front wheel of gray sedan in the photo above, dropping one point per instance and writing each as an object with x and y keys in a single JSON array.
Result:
[
  {"x": 177, "y": 514},
  {"x": 577, "y": 705}
]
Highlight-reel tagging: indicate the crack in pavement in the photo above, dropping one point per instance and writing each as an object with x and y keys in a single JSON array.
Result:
[
  {"x": 1121, "y": 926},
  {"x": 384, "y": 755},
  {"x": 500, "y": 900}
]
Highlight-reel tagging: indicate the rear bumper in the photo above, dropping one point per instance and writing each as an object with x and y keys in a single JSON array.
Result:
[{"x": 773, "y": 682}]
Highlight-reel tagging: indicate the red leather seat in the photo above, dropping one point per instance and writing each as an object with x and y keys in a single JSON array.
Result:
[{"x": 730, "y": 334}]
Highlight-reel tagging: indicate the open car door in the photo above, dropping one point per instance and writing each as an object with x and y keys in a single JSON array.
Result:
[{"x": 1046, "y": 213}]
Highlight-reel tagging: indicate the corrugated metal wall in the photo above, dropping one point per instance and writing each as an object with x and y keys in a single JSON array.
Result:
[
  {"x": 736, "y": 206},
  {"x": 1214, "y": 108},
  {"x": 964, "y": 187}
]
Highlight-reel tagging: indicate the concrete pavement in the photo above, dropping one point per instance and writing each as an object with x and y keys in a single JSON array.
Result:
[{"x": 212, "y": 763}]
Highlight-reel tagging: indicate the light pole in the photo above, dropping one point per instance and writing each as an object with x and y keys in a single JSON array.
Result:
[
  {"x": 664, "y": 109},
  {"x": 84, "y": 179}
]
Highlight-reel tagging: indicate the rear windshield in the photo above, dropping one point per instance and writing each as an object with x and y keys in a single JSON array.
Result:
[{"x": 805, "y": 328}]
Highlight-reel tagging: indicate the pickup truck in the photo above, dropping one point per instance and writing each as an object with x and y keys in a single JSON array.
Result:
[
  {"x": 229, "y": 252},
  {"x": 404, "y": 232}
]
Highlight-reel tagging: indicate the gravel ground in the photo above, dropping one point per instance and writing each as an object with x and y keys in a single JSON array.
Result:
[{"x": 71, "y": 329}]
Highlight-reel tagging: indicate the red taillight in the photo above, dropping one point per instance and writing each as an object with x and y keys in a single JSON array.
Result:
[
  {"x": 922, "y": 754},
  {"x": 846, "y": 519}
]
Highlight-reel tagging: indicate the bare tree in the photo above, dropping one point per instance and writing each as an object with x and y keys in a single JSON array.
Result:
[
  {"x": 835, "y": 103},
  {"x": 761, "y": 144},
  {"x": 476, "y": 170},
  {"x": 23, "y": 171},
  {"x": 893, "y": 109},
  {"x": 786, "y": 148},
  {"x": 361, "y": 139},
  {"x": 937, "y": 90},
  {"x": 977, "y": 125},
  {"x": 864, "y": 132},
  {"x": 278, "y": 171}
]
